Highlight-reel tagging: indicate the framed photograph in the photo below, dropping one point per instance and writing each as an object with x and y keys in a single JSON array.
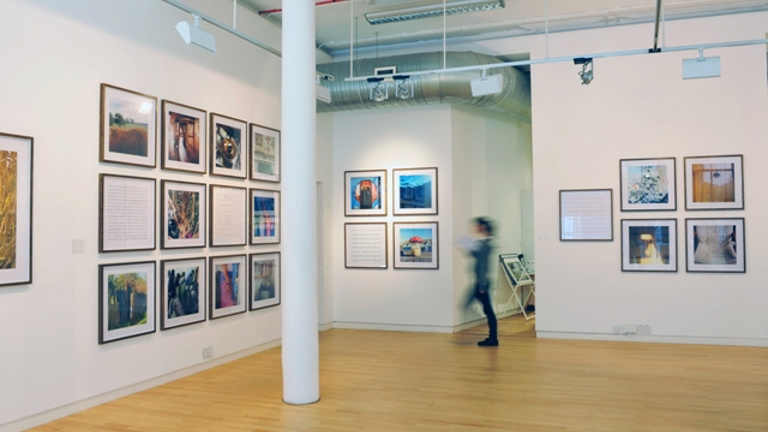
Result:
[
  {"x": 183, "y": 138},
  {"x": 648, "y": 184},
  {"x": 15, "y": 209},
  {"x": 265, "y": 280},
  {"x": 649, "y": 245},
  {"x": 228, "y": 290},
  {"x": 365, "y": 245},
  {"x": 365, "y": 193},
  {"x": 228, "y": 216},
  {"x": 184, "y": 215},
  {"x": 126, "y": 300},
  {"x": 183, "y": 294},
  {"x": 126, "y": 213},
  {"x": 586, "y": 215},
  {"x": 265, "y": 154},
  {"x": 265, "y": 216},
  {"x": 128, "y": 127},
  {"x": 715, "y": 245},
  {"x": 415, "y": 191},
  {"x": 228, "y": 146},
  {"x": 416, "y": 245},
  {"x": 714, "y": 183}
]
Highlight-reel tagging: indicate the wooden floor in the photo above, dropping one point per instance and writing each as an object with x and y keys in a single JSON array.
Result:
[{"x": 397, "y": 381}]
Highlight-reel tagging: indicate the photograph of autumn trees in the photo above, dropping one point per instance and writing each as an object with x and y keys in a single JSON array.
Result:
[
  {"x": 127, "y": 299},
  {"x": 8, "y": 204},
  {"x": 128, "y": 125}
]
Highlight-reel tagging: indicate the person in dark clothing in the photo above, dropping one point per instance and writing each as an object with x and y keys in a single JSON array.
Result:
[{"x": 481, "y": 252}]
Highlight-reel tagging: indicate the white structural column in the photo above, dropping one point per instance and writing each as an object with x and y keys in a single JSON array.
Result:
[{"x": 301, "y": 367}]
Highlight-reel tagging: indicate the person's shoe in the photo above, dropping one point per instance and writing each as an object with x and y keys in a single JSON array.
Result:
[{"x": 489, "y": 342}]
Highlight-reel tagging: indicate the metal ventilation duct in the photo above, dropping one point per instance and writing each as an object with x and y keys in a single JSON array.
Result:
[{"x": 453, "y": 88}]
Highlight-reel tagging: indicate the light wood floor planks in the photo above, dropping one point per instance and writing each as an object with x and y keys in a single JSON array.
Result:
[{"x": 396, "y": 381}]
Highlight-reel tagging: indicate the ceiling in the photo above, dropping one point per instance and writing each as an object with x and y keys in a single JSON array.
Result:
[{"x": 334, "y": 18}]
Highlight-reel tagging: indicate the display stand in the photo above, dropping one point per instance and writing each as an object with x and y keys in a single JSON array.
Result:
[{"x": 518, "y": 276}]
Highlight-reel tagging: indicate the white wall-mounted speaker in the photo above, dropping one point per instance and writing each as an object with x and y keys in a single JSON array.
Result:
[{"x": 487, "y": 85}]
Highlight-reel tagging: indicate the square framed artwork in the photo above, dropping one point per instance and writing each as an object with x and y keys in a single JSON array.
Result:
[
  {"x": 265, "y": 280},
  {"x": 416, "y": 245},
  {"x": 365, "y": 193},
  {"x": 415, "y": 191},
  {"x": 227, "y": 288},
  {"x": 183, "y": 138},
  {"x": 228, "y": 216},
  {"x": 183, "y": 294},
  {"x": 648, "y": 184},
  {"x": 265, "y": 216},
  {"x": 265, "y": 154},
  {"x": 365, "y": 245},
  {"x": 714, "y": 183},
  {"x": 15, "y": 209},
  {"x": 586, "y": 215},
  {"x": 126, "y": 300},
  {"x": 228, "y": 140},
  {"x": 649, "y": 245},
  {"x": 128, "y": 127},
  {"x": 127, "y": 215},
  {"x": 184, "y": 214},
  {"x": 715, "y": 245}
]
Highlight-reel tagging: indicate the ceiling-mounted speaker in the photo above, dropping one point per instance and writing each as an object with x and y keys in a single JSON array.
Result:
[
  {"x": 702, "y": 67},
  {"x": 487, "y": 85}
]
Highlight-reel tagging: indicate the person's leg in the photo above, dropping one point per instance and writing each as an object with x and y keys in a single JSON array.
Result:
[{"x": 492, "y": 340}]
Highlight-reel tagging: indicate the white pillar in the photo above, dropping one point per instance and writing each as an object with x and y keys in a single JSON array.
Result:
[{"x": 301, "y": 368}]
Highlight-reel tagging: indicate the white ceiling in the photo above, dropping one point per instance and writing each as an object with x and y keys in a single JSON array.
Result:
[{"x": 519, "y": 17}]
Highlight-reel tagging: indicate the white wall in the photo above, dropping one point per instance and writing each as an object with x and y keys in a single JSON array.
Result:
[
  {"x": 56, "y": 55},
  {"x": 639, "y": 107},
  {"x": 483, "y": 162}
]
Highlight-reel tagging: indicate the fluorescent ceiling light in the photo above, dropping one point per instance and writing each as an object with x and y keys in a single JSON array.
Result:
[{"x": 433, "y": 10}]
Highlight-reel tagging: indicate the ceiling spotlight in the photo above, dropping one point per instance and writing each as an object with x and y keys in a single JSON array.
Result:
[
  {"x": 194, "y": 35},
  {"x": 433, "y": 10},
  {"x": 587, "y": 73},
  {"x": 378, "y": 91},
  {"x": 404, "y": 89}
]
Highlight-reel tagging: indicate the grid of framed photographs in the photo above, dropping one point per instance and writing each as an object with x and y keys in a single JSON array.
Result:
[
  {"x": 195, "y": 213},
  {"x": 414, "y": 243},
  {"x": 711, "y": 244}
]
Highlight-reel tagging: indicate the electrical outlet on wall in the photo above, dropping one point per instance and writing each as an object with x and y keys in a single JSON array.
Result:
[{"x": 207, "y": 353}]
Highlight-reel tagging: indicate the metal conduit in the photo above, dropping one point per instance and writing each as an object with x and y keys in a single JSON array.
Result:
[{"x": 453, "y": 88}]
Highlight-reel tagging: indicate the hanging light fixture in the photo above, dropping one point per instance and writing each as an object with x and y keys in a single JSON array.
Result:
[
  {"x": 193, "y": 34},
  {"x": 404, "y": 87},
  {"x": 433, "y": 10},
  {"x": 587, "y": 73},
  {"x": 378, "y": 91}
]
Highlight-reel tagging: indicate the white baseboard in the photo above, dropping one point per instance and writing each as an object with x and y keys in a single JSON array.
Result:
[
  {"x": 690, "y": 340},
  {"x": 75, "y": 407},
  {"x": 392, "y": 327},
  {"x": 326, "y": 326},
  {"x": 469, "y": 325}
]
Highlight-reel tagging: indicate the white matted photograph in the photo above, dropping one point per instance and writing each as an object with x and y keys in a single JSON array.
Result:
[
  {"x": 128, "y": 127},
  {"x": 415, "y": 191},
  {"x": 183, "y": 138},
  {"x": 365, "y": 245},
  {"x": 714, "y": 183},
  {"x": 715, "y": 245},
  {"x": 15, "y": 209},
  {"x": 227, "y": 146},
  {"x": 365, "y": 193},
  {"x": 185, "y": 212},
  {"x": 648, "y": 184},
  {"x": 649, "y": 245},
  {"x": 126, "y": 300},
  {"x": 416, "y": 245},
  {"x": 265, "y": 280},
  {"x": 265, "y": 154},
  {"x": 183, "y": 294},
  {"x": 228, "y": 285}
]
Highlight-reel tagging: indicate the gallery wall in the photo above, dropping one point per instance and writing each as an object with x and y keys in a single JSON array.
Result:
[
  {"x": 639, "y": 107},
  {"x": 60, "y": 53},
  {"x": 480, "y": 156}
]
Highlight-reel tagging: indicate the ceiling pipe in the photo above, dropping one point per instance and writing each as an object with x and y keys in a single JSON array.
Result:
[{"x": 350, "y": 94}]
